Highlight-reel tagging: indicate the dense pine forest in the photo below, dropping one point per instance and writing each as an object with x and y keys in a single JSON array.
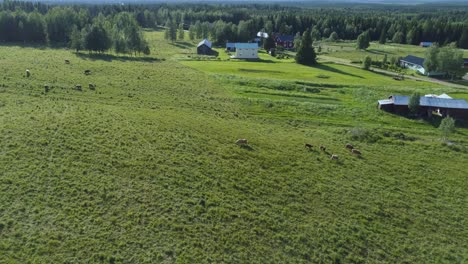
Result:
[{"x": 41, "y": 23}]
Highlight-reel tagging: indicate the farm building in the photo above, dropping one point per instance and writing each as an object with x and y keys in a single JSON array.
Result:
[
  {"x": 204, "y": 48},
  {"x": 417, "y": 63},
  {"x": 425, "y": 44},
  {"x": 230, "y": 46},
  {"x": 285, "y": 41},
  {"x": 246, "y": 51},
  {"x": 442, "y": 105}
]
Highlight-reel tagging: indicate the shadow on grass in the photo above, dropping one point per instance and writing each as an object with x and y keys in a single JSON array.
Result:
[
  {"x": 111, "y": 57},
  {"x": 247, "y": 147},
  {"x": 331, "y": 69},
  {"x": 378, "y": 52},
  {"x": 183, "y": 45}
]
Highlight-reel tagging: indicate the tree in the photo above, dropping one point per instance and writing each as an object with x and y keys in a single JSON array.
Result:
[
  {"x": 269, "y": 43},
  {"x": 97, "y": 39},
  {"x": 76, "y": 40},
  {"x": 181, "y": 32},
  {"x": 414, "y": 102},
  {"x": 430, "y": 61},
  {"x": 383, "y": 36},
  {"x": 363, "y": 41},
  {"x": 450, "y": 60},
  {"x": 366, "y": 64},
  {"x": 297, "y": 41},
  {"x": 447, "y": 127},
  {"x": 191, "y": 32},
  {"x": 306, "y": 53},
  {"x": 463, "y": 41},
  {"x": 170, "y": 33},
  {"x": 398, "y": 37},
  {"x": 333, "y": 36}
]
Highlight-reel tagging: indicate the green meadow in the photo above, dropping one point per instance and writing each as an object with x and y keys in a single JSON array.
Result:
[
  {"x": 145, "y": 169},
  {"x": 347, "y": 50}
]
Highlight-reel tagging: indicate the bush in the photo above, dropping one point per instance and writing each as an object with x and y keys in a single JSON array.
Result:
[{"x": 364, "y": 135}]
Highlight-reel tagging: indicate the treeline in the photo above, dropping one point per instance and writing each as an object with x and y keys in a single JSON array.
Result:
[
  {"x": 76, "y": 28},
  {"x": 241, "y": 22}
]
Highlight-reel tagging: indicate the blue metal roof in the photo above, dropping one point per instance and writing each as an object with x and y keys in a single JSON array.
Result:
[
  {"x": 425, "y": 44},
  {"x": 246, "y": 46},
  {"x": 432, "y": 102},
  {"x": 230, "y": 45},
  {"x": 414, "y": 60}
]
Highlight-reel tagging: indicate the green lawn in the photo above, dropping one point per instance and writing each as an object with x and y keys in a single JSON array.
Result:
[{"x": 145, "y": 170}]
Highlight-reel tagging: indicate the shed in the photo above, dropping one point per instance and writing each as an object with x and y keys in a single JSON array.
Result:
[
  {"x": 204, "y": 48},
  {"x": 231, "y": 46},
  {"x": 425, "y": 44},
  {"x": 285, "y": 41}
]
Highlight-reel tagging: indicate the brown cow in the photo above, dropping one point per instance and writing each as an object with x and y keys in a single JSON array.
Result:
[
  {"x": 334, "y": 157},
  {"x": 87, "y": 72},
  {"x": 309, "y": 146},
  {"x": 355, "y": 151},
  {"x": 242, "y": 142},
  {"x": 67, "y": 61},
  {"x": 349, "y": 146},
  {"x": 322, "y": 148},
  {"x": 78, "y": 87},
  {"x": 92, "y": 86}
]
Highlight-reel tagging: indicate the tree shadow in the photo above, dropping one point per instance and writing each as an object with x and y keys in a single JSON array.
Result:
[
  {"x": 111, "y": 57},
  {"x": 378, "y": 52},
  {"x": 331, "y": 69},
  {"x": 183, "y": 45}
]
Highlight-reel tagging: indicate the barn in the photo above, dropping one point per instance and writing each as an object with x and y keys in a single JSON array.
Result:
[
  {"x": 285, "y": 41},
  {"x": 246, "y": 51},
  {"x": 204, "y": 48},
  {"x": 428, "y": 105}
]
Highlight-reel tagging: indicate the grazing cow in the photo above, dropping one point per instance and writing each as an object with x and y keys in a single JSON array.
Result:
[
  {"x": 92, "y": 86},
  {"x": 322, "y": 148},
  {"x": 46, "y": 88},
  {"x": 87, "y": 72},
  {"x": 334, "y": 157},
  {"x": 78, "y": 87},
  {"x": 67, "y": 62},
  {"x": 28, "y": 73},
  {"x": 242, "y": 142},
  {"x": 349, "y": 146},
  {"x": 309, "y": 146},
  {"x": 355, "y": 151}
]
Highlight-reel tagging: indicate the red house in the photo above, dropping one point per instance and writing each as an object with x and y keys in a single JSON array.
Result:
[{"x": 285, "y": 41}]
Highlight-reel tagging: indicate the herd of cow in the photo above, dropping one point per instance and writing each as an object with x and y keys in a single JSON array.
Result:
[
  {"x": 334, "y": 156},
  {"x": 244, "y": 142},
  {"x": 77, "y": 87}
]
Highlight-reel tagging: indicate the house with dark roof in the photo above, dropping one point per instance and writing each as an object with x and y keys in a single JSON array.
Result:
[
  {"x": 285, "y": 41},
  {"x": 428, "y": 105},
  {"x": 417, "y": 64},
  {"x": 204, "y": 48}
]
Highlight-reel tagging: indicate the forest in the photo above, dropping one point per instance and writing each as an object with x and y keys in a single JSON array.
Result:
[{"x": 41, "y": 23}]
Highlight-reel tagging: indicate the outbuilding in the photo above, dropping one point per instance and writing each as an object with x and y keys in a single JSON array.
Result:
[
  {"x": 417, "y": 63},
  {"x": 204, "y": 48},
  {"x": 442, "y": 105}
]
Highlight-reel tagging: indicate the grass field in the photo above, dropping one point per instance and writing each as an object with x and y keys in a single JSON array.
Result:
[
  {"x": 347, "y": 50},
  {"x": 145, "y": 170}
]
